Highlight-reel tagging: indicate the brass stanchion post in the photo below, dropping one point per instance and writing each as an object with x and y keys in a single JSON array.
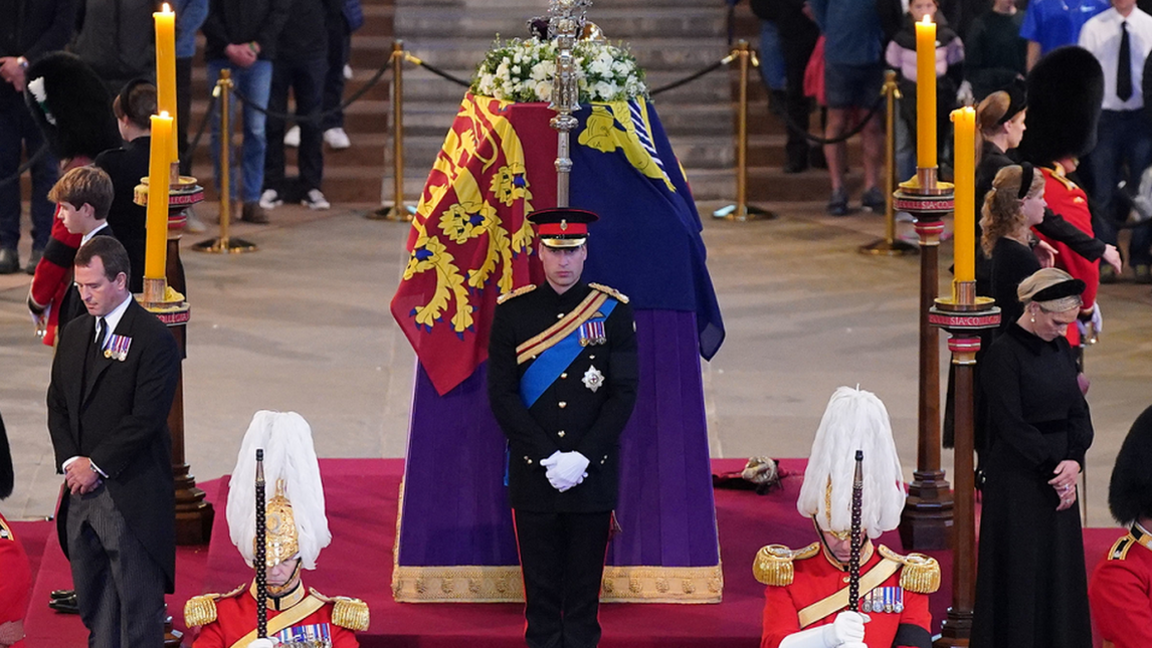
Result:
[
  {"x": 927, "y": 518},
  {"x": 963, "y": 316},
  {"x": 890, "y": 245},
  {"x": 741, "y": 211},
  {"x": 224, "y": 244},
  {"x": 398, "y": 211}
]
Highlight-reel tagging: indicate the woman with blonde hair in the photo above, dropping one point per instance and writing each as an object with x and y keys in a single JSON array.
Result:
[{"x": 1031, "y": 585}]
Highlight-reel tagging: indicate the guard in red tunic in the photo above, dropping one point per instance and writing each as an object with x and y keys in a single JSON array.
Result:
[
  {"x": 1120, "y": 591},
  {"x": 806, "y": 601},
  {"x": 296, "y": 531},
  {"x": 15, "y": 575}
]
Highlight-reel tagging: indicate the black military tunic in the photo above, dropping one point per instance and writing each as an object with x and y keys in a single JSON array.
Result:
[
  {"x": 570, "y": 415},
  {"x": 562, "y": 537}
]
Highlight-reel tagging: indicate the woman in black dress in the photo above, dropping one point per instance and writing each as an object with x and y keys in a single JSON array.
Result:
[
  {"x": 134, "y": 107},
  {"x": 1014, "y": 204},
  {"x": 1031, "y": 587}
]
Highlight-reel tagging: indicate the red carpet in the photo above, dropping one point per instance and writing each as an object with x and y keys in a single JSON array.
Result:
[{"x": 362, "y": 499}]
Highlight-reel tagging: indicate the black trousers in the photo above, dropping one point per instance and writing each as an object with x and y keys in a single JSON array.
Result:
[
  {"x": 797, "y": 40},
  {"x": 562, "y": 557}
]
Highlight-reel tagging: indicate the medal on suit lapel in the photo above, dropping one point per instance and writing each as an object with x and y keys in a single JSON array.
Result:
[
  {"x": 593, "y": 379},
  {"x": 592, "y": 332},
  {"x": 118, "y": 347}
]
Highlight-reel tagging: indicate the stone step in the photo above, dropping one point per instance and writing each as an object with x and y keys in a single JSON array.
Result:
[{"x": 666, "y": 53}]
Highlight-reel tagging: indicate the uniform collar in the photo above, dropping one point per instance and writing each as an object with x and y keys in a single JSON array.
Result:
[
  {"x": 285, "y": 602},
  {"x": 1141, "y": 535},
  {"x": 866, "y": 554}
]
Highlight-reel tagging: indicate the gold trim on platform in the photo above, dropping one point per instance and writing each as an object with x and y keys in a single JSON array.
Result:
[{"x": 504, "y": 584}]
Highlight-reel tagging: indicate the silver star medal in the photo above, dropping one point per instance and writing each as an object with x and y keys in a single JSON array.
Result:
[{"x": 593, "y": 379}]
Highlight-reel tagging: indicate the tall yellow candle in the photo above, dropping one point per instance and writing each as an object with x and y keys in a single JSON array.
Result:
[
  {"x": 964, "y": 221},
  {"x": 926, "y": 94},
  {"x": 166, "y": 68},
  {"x": 156, "y": 235}
]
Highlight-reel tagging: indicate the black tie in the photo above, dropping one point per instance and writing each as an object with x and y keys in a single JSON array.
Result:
[
  {"x": 1124, "y": 66},
  {"x": 101, "y": 335}
]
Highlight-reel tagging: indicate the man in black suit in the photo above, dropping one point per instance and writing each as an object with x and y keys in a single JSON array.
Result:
[
  {"x": 113, "y": 381},
  {"x": 562, "y": 376}
]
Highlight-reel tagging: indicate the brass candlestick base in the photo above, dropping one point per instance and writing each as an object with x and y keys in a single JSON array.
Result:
[
  {"x": 963, "y": 316},
  {"x": 927, "y": 518},
  {"x": 225, "y": 245}
]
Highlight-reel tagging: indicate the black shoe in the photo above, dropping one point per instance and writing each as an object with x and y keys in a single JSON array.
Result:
[
  {"x": 66, "y": 605},
  {"x": 838, "y": 203},
  {"x": 796, "y": 166},
  {"x": 9, "y": 261},
  {"x": 61, "y": 594},
  {"x": 33, "y": 261},
  {"x": 873, "y": 200},
  {"x": 253, "y": 213}
]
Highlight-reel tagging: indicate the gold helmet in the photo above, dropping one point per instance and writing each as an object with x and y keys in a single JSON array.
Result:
[{"x": 294, "y": 520}]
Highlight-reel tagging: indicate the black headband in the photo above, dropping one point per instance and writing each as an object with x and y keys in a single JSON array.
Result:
[
  {"x": 1017, "y": 101},
  {"x": 1066, "y": 288},
  {"x": 1026, "y": 173}
]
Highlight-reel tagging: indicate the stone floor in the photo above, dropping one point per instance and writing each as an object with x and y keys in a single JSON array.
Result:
[{"x": 303, "y": 324}]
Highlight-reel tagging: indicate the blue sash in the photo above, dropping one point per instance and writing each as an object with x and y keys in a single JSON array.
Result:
[{"x": 548, "y": 366}]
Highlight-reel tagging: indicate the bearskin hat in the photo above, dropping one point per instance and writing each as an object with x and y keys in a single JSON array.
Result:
[
  {"x": 71, "y": 106},
  {"x": 7, "y": 475},
  {"x": 1130, "y": 491},
  {"x": 1065, "y": 94}
]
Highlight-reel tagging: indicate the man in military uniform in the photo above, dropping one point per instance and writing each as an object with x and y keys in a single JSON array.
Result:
[
  {"x": 1120, "y": 591},
  {"x": 562, "y": 376},
  {"x": 806, "y": 599},
  {"x": 296, "y": 531}
]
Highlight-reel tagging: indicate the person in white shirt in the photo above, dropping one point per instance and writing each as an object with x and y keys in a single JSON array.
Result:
[{"x": 1120, "y": 38}]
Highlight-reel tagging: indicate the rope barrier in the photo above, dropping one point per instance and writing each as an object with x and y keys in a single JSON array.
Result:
[
  {"x": 203, "y": 124},
  {"x": 40, "y": 153},
  {"x": 438, "y": 72},
  {"x": 692, "y": 77},
  {"x": 316, "y": 116},
  {"x": 855, "y": 130}
]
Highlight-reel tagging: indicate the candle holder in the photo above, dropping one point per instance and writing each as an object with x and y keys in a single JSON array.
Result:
[
  {"x": 963, "y": 316},
  {"x": 927, "y": 517},
  {"x": 164, "y": 298}
]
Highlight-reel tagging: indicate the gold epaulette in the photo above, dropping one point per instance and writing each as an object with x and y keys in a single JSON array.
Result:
[
  {"x": 621, "y": 297},
  {"x": 773, "y": 564},
  {"x": 201, "y": 610},
  {"x": 522, "y": 290},
  {"x": 1119, "y": 550},
  {"x": 350, "y": 613},
  {"x": 920, "y": 574}
]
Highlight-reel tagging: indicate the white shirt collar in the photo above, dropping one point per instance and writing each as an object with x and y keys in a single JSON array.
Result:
[
  {"x": 113, "y": 318},
  {"x": 88, "y": 237}
]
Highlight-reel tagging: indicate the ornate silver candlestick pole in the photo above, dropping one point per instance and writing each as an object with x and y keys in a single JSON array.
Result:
[{"x": 565, "y": 21}]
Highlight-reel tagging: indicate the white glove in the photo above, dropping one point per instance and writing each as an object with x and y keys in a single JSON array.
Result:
[
  {"x": 264, "y": 642},
  {"x": 964, "y": 95},
  {"x": 847, "y": 629},
  {"x": 568, "y": 470},
  {"x": 550, "y": 464},
  {"x": 838, "y": 634},
  {"x": 1098, "y": 319}
]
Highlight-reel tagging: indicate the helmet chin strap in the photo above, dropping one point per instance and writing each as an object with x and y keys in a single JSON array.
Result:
[{"x": 289, "y": 585}]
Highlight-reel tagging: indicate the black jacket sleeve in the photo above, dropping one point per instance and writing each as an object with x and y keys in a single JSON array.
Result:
[
  {"x": 504, "y": 389},
  {"x": 1055, "y": 227}
]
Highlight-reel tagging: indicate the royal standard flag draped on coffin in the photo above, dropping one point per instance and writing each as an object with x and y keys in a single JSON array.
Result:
[{"x": 470, "y": 242}]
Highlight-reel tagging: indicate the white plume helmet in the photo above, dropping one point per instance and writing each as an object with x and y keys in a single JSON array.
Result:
[
  {"x": 290, "y": 462},
  {"x": 854, "y": 420}
]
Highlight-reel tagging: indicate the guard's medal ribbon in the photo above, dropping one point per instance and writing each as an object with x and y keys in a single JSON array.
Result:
[{"x": 117, "y": 347}]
